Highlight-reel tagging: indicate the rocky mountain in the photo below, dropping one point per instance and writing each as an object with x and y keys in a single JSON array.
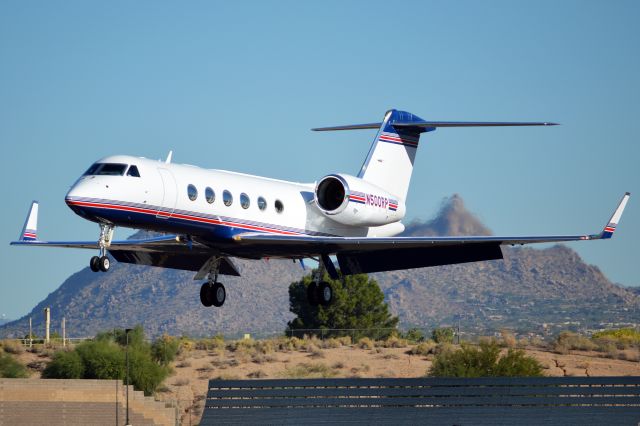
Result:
[{"x": 531, "y": 290}]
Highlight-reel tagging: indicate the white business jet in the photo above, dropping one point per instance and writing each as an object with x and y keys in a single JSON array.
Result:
[{"x": 208, "y": 216}]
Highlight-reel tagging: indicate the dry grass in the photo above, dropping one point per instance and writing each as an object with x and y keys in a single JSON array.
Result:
[
  {"x": 308, "y": 370},
  {"x": 366, "y": 343}
]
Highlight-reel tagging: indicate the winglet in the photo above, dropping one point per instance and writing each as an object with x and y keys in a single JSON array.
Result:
[
  {"x": 29, "y": 230},
  {"x": 610, "y": 228}
]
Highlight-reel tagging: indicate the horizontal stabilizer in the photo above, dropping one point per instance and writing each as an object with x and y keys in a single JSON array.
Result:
[{"x": 433, "y": 124}]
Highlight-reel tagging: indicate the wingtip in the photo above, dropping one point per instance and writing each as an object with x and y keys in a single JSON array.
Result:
[{"x": 627, "y": 193}]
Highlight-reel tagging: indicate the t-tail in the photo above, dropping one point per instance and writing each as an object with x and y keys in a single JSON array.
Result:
[{"x": 389, "y": 163}]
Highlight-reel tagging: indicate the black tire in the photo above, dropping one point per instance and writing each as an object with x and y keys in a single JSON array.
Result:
[
  {"x": 205, "y": 295},
  {"x": 312, "y": 294},
  {"x": 325, "y": 293},
  {"x": 94, "y": 264},
  {"x": 104, "y": 263},
  {"x": 218, "y": 295}
]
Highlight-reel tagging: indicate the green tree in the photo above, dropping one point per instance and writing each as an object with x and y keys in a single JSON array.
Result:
[
  {"x": 358, "y": 303},
  {"x": 10, "y": 367},
  {"x": 485, "y": 361}
]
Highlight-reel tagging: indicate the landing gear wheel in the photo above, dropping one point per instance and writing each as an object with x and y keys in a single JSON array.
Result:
[
  {"x": 218, "y": 295},
  {"x": 312, "y": 294},
  {"x": 205, "y": 295},
  {"x": 104, "y": 263},
  {"x": 94, "y": 264},
  {"x": 324, "y": 293}
]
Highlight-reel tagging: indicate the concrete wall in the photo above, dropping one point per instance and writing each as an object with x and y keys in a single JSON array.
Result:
[{"x": 54, "y": 402}]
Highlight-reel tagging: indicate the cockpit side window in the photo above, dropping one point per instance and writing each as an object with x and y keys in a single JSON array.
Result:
[
  {"x": 92, "y": 170},
  {"x": 106, "y": 169},
  {"x": 133, "y": 171}
]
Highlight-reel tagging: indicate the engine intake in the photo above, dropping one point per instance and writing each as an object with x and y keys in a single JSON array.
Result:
[
  {"x": 352, "y": 201},
  {"x": 331, "y": 193}
]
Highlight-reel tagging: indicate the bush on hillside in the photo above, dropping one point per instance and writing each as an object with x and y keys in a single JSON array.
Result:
[
  {"x": 442, "y": 335},
  {"x": 623, "y": 338},
  {"x": 11, "y": 368},
  {"x": 65, "y": 365},
  {"x": 413, "y": 335},
  {"x": 165, "y": 349},
  {"x": 104, "y": 358},
  {"x": 484, "y": 361},
  {"x": 568, "y": 340}
]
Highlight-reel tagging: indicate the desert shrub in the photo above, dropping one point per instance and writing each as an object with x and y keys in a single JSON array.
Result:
[
  {"x": 186, "y": 344},
  {"x": 344, "y": 340},
  {"x": 365, "y": 343},
  {"x": 393, "y": 342},
  {"x": 284, "y": 344},
  {"x": 265, "y": 346},
  {"x": 484, "y": 361},
  {"x": 331, "y": 343},
  {"x": 242, "y": 345},
  {"x": 216, "y": 343},
  {"x": 508, "y": 339},
  {"x": 11, "y": 368},
  {"x": 145, "y": 374},
  {"x": 442, "y": 335},
  {"x": 338, "y": 365},
  {"x": 303, "y": 370},
  {"x": 424, "y": 348},
  {"x": 317, "y": 353},
  {"x": 12, "y": 347},
  {"x": 65, "y": 365},
  {"x": 165, "y": 349},
  {"x": 568, "y": 340},
  {"x": 414, "y": 335},
  {"x": 257, "y": 374},
  {"x": 623, "y": 338},
  {"x": 104, "y": 358}
]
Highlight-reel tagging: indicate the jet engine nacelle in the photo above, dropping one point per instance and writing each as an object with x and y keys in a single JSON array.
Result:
[{"x": 352, "y": 201}]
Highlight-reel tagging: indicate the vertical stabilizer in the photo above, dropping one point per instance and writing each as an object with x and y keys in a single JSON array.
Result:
[{"x": 389, "y": 163}]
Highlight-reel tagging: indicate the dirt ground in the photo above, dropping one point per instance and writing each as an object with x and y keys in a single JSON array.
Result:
[{"x": 193, "y": 369}]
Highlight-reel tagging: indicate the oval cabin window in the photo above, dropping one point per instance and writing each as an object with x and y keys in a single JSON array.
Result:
[{"x": 192, "y": 192}]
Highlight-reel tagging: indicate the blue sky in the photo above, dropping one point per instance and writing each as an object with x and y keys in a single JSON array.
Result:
[{"x": 238, "y": 85}]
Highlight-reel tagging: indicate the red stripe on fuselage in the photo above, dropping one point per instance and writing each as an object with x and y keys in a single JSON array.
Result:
[{"x": 179, "y": 216}]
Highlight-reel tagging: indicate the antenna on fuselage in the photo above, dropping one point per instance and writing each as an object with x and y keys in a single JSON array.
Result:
[{"x": 168, "y": 160}]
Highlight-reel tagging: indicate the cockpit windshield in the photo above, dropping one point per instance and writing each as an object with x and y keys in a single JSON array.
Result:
[{"x": 106, "y": 169}]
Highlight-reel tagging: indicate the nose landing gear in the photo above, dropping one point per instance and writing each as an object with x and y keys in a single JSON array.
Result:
[{"x": 102, "y": 262}]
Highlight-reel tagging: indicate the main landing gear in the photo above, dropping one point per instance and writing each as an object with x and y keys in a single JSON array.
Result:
[
  {"x": 319, "y": 292},
  {"x": 213, "y": 293},
  {"x": 102, "y": 262}
]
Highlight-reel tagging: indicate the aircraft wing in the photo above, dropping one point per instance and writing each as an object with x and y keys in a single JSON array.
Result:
[
  {"x": 167, "y": 251},
  {"x": 372, "y": 254}
]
